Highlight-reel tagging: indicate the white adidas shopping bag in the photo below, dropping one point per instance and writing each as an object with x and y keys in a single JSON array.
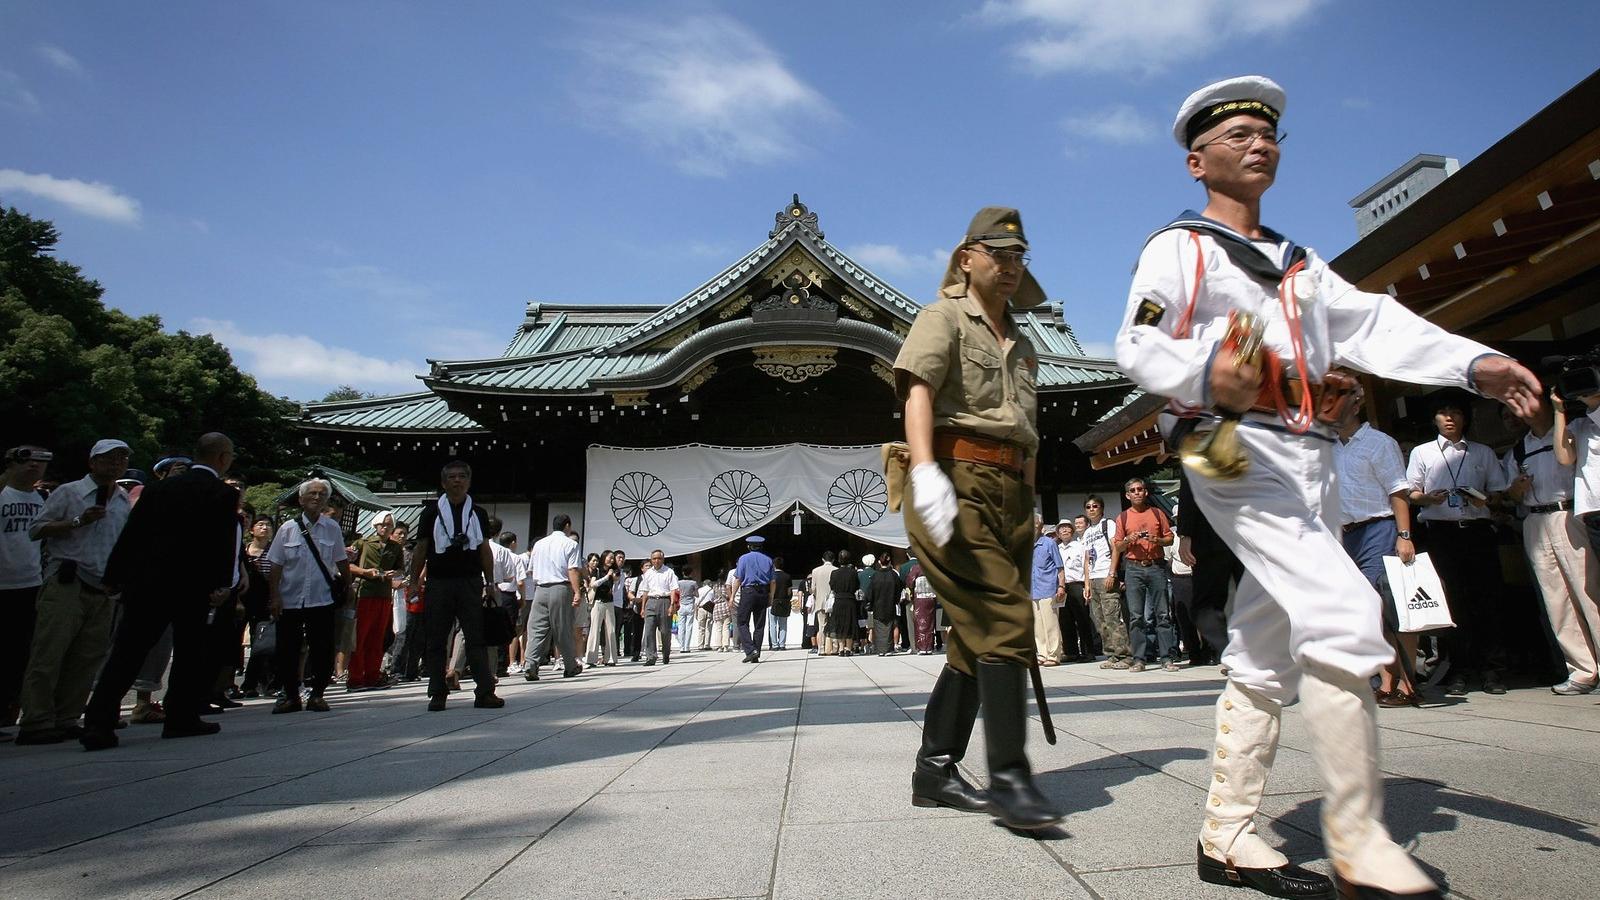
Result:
[{"x": 1418, "y": 595}]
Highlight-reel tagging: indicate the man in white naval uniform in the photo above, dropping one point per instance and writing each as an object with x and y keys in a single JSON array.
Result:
[{"x": 1304, "y": 621}]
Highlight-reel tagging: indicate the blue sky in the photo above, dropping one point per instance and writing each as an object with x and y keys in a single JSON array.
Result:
[{"x": 341, "y": 191}]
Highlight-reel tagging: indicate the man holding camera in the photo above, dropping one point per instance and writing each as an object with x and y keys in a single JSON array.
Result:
[
  {"x": 79, "y": 525},
  {"x": 1143, "y": 533},
  {"x": 453, "y": 544},
  {"x": 1452, "y": 479},
  {"x": 1558, "y": 550}
]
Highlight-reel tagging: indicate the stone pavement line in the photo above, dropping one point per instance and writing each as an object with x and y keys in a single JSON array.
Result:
[
  {"x": 1067, "y": 867},
  {"x": 475, "y": 723},
  {"x": 788, "y": 777},
  {"x": 624, "y": 770}
]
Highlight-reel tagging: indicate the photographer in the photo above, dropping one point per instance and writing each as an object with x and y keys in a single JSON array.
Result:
[
  {"x": 1452, "y": 479},
  {"x": 1143, "y": 533},
  {"x": 1558, "y": 552},
  {"x": 1578, "y": 444}
]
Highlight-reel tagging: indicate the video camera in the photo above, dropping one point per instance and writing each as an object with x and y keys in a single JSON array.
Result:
[{"x": 1579, "y": 375}]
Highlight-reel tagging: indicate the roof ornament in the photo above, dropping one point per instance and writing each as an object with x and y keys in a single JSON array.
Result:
[{"x": 795, "y": 212}]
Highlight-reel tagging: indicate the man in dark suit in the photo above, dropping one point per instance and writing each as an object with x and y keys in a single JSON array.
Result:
[{"x": 176, "y": 561}]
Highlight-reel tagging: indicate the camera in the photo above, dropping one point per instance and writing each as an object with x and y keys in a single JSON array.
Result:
[
  {"x": 458, "y": 541},
  {"x": 1579, "y": 375}
]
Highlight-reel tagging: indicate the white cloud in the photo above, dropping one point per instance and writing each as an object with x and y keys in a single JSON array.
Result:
[
  {"x": 420, "y": 307},
  {"x": 61, "y": 59},
  {"x": 704, "y": 90},
  {"x": 1118, "y": 125},
  {"x": 14, "y": 94},
  {"x": 91, "y": 198},
  {"x": 299, "y": 357},
  {"x": 1141, "y": 37},
  {"x": 889, "y": 259}
]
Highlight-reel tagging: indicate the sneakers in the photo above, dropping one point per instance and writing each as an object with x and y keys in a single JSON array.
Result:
[
  {"x": 1114, "y": 663},
  {"x": 1136, "y": 666},
  {"x": 148, "y": 712},
  {"x": 1570, "y": 688}
]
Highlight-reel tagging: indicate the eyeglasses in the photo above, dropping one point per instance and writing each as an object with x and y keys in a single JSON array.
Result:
[
  {"x": 1241, "y": 139},
  {"x": 1009, "y": 257},
  {"x": 1091, "y": 506}
]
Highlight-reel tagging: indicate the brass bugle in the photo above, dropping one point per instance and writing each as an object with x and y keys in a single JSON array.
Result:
[{"x": 1217, "y": 454}]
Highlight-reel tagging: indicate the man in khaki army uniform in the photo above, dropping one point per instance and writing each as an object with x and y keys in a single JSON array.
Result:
[{"x": 967, "y": 375}]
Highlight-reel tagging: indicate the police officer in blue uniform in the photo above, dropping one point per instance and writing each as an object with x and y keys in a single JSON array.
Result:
[{"x": 753, "y": 585}]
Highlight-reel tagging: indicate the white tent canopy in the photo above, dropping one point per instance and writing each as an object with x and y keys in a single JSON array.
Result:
[{"x": 697, "y": 496}]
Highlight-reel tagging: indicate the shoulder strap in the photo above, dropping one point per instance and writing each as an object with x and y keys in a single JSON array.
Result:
[
  {"x": 1122, "y": 525},
  {"x": 312, "y": 545}
]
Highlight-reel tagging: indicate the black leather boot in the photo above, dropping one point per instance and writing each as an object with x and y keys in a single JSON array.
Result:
[
  {"x": 946, "y": 729},
  {"x": 1013, "y": 798}
]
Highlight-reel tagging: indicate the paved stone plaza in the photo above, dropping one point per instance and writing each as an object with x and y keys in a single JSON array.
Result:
[{"x": 708, "y": 778}]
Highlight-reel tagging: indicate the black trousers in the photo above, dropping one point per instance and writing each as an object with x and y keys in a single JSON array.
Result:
[
  {"x": 1468, "y": 562},
  {"x": 1215, "y": 568},
  {"x": 449, "y": 601},
  {"x": 258, "y": 672},
  {"x": 312, "y": 627},
  {"x": 17, "y": 615},
  {"x": 143, "y": 621},
  {"x": 223, "y": 638},
  {"x": 752, "y": 617},
  {"x": 1077, "y": 629},
  {"x": 1183, "y": 611}
]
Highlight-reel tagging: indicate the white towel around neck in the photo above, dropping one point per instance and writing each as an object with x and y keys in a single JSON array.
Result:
[{"x": 469, "y": 523}]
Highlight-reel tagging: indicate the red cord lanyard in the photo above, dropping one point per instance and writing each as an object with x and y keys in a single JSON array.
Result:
[{"x": 1301, "y": 420}]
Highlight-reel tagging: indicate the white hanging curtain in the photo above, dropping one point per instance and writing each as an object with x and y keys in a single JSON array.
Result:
[{"x": 683, "y": 499}]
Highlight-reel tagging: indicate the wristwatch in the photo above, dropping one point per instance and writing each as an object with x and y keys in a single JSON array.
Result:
[
  {"x": 1405, "y": 534},
  {"x": 77, "y": 521}
]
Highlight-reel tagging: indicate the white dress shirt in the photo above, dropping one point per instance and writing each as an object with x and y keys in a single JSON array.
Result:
[
  {"x": 553, "y": 557},
  {"x": 505, "y": 567},
  {"x": 1370, "y": 472},
  {"x": 89, "y": 545},
  {"x": 1586, "y": 471},
  {"x": 658, "y": 582},
  {"x": 1072, "y": 558},
  {"x": 302, "y": 586},
  {"x": 1442, "y": 465},
  {"x": 1549, "y": 481}
]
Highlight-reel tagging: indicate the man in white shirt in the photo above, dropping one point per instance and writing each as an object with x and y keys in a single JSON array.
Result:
[
  {"x": 1099, "y": 577},
  {"x": 656, "y": 585},
  {"x": 1452, "y": 479},
  {"x": 1375, "y": 521},
  {"x": 557, "y": 575},
  {"x": 300, "y": 598},
  {"x": 1077, "y": 629},
  {"x": 1558, "y": 550},
  {"x": 20, "y": 572},
  {"x": 506, "y": 571},
  {"x": 79, "y": 525},
  {"x": 1578, "y": 445}
]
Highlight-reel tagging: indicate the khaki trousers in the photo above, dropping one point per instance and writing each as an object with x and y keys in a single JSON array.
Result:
[
  {"x": 1569, "y": 581},
  {"x": 70, "y": 639},
  {"x": 823, "y": 639},
  {"x": 1047, "y": 629},
  {"x": 1106, "y": 607},
  {"x": 980, "y": 575}
]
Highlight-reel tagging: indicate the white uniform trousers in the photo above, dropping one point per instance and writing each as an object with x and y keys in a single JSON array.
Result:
[
  {"x": 1569, "y": 581},
  {"x": 1301, "y": 597}
]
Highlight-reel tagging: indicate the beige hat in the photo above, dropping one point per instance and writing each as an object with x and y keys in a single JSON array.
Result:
[{"x": 999, "y": 227}]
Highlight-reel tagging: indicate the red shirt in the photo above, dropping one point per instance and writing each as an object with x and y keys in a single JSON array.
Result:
[{"x": 1153, "y": 520}]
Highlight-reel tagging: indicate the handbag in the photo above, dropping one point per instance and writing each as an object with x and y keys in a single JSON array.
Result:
[
  {"x": 498, "y": 627},
  {"x": 265, "y": 638},
  {"x": 1418, "y": 594}
]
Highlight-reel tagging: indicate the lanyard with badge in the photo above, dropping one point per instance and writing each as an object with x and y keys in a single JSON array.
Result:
[{"x": 1453, "y": 499}]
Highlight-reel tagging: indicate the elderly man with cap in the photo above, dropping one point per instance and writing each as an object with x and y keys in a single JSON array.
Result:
[
  {"x": 753, "y": 584},
  {"x": 967, "y": 374},
  {"x": 79, "y": 525},
  {"x": 1305, "y": 622}
]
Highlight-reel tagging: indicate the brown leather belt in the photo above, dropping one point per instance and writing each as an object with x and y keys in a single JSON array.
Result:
[
  {"x": 1328, "y": 397},
  {"x": 1143, "y": 563},
  {"x": 983, "y": 451},
  {"x": 1558, "y": 506}
]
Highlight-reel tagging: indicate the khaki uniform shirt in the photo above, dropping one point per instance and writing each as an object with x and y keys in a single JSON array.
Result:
[{"x": 979, "y": 386}]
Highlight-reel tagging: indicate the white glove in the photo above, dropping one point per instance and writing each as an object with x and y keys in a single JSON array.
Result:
[{"x": 934, "y": 498}]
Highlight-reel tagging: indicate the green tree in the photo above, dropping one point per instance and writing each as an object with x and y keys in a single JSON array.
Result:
[
  {"x": 347, "y": 392},
  {"x": 73, "y": 371}
]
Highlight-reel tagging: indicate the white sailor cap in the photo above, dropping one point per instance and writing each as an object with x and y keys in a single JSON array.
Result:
[{"x": 1255, "y": 95}]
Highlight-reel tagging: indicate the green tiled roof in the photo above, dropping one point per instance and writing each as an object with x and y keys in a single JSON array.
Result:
[
  {"x": 405, "y": 412},
  {"x": 563, "y": 374},
  {"x": 346, "y": 487}
]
